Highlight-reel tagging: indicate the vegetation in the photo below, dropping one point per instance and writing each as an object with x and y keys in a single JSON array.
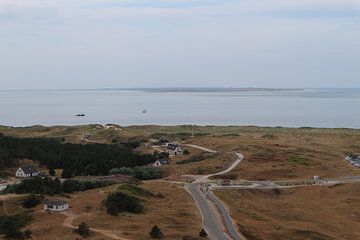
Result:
[
  {"x": 36, "y": 185},
  {"x": 156, "y": 232},
  {"x": 230, "y": 176},
  {"x": 70, "y": 186},
  {"x": 83, "y": 230},
  {"x": 10, "y": 226},
  {"x": 75, "y": 159},
  {"x": 298, "y": 161},
  {"x": 186, "y": 152},
  {"x": 203, "y": 233},
  {"x": 134, "y": 190},
  {"x": 27, "y": 233},
  {"x": 47, "y": 186},
  {"x": 196, "y": 158},
  {"x": 141, "y": 173},
  {"x": 52, "y": 172},
  {"x": 119, "y": 202},
  {"x": 31, "y": 201}
]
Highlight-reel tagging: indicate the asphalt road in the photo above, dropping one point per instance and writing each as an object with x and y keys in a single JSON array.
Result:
[
  {"x": 216, "y": 220},
  {"x": 211, "y": 221}
]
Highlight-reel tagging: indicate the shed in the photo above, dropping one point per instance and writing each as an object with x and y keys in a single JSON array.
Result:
[{"x": 56, "y": 205}]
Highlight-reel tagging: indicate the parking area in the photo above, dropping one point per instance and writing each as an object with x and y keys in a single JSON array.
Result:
[{"x": 354, "y": 160}]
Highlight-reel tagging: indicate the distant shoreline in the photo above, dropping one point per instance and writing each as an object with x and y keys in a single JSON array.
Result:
[
  {"x": 175, "y": 126},
  {"x": 171, "y": 89}
]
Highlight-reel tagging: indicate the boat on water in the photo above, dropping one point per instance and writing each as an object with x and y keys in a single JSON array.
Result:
[
  {"x": 144, "y": 111},
  {"x": 80, "y": 115}
]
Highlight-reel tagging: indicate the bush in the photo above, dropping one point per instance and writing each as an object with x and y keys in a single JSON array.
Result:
[
  {"x": 196, "y": 158},
  {"x": 27, "y": 233},
  {"x": 186, "y": 152},
  {"x": 203, "y": 233},
  {"x": 119, "y": 202},
  {"x": 10, "y": 225},
  {"x": 31, "y": 201},
  {"x": 36, "y": 185},
  {"x": 47, "y": 186},
  {"x": 156, "y": 232},
  {"x": 141, "y": 173},
  {"x": 83, "y": 230},
  {"x": 52, "y": 172},
  {"x": 134, "y": 190}
]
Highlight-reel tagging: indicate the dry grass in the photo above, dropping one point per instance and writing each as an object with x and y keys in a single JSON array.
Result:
[
  {"x": 173, "y": 211},
  {"x": 298, "y": 213},
  {"x": 295, "y": 155},
  {"x": 170, "y": 207}
]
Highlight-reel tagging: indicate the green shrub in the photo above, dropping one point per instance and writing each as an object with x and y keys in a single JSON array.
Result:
[
  {"x": 134, "y": 190},
  {"x": 119, "y": 202},
  {"x": 196, "y": 158},
  {"x": 203, "y": 233},
  {"x": 83, "y": 230},
  {"x": 156, "y": 232},
  {"x": 10, "y": 226},
  {"x": 141, "y": 173},
  {"x": 298, "y": 161},
  {"x": 31, "y": 201}
]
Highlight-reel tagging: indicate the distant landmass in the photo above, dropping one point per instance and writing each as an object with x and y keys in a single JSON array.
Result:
[{"x": 209, "y": 89}]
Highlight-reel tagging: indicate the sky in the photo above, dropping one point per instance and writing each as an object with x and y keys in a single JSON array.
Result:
[{"x": 70, "y": 44}]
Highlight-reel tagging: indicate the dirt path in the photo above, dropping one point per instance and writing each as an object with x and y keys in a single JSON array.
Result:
[
  {"x": 201, "y": 148},
  {"x": 68, "y": 222}
]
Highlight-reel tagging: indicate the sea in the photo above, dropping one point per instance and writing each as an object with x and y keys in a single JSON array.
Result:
[{"x": 323, "y": 108}]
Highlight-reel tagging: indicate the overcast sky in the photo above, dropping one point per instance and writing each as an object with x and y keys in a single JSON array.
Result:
[{"x": 170, "y": 43}]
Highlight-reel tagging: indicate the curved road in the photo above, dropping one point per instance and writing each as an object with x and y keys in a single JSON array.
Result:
[{"x": 216, "y": 219}]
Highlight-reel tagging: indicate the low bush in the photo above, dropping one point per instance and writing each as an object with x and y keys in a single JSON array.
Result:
[
  {"x": 156, "y": 232},
  {"x": 10, "y": 226},
  {"x": 119, "y": 202},
  {"x": 31, "y": 201},
  {"x": 141, "y": 173},
  {"x": 47, "y": 186}
]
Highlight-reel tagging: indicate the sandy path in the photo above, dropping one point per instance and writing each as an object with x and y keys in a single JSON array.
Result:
[{"x": 201, "y": 148}]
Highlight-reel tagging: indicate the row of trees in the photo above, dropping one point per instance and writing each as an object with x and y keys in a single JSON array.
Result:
[
  {"x": 10, "y": 226},
  {"x": 48, "y": 186},
  {"x": 75, "y": 159},
  {"x": 141, "y": 173}
]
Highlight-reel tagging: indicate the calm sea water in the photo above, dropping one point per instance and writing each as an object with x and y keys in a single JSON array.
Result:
[{"x": 312, "y": 107}]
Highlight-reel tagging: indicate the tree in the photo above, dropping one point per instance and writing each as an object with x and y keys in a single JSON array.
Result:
[
  {"x": 27, "y": 233},
  {"x": 121, "y": 202},
  {"x": 83, "y": 230},
  {"x": 11, "y": 228},
  {"x": 186, "y": 152},
  {"x": 156, "y": 232},
  {"x": 203, "y": 233},
  {"x": 52, "y": 172},
  {"x": 67, "y": 173},
  {"x": 31, "y": 201}
]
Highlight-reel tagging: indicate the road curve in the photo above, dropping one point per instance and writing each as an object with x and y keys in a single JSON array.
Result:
[{"x": 218, "y": 228}]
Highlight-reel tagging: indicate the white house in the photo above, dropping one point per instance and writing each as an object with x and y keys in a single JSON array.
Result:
[
  {"x": 27, "y": 171},
  {"x": 173, "y": 149},
  {"x": 56, "y": 205},
  {"x": 161, "y": 162}
]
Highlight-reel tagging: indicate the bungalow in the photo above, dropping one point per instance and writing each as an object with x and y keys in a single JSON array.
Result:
[
  {"x": 56, "y": 205},
  {"x": 161, "y": 162},
  {"x": 173, "y": 149},
  {"x": 27, "y": 171}
]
